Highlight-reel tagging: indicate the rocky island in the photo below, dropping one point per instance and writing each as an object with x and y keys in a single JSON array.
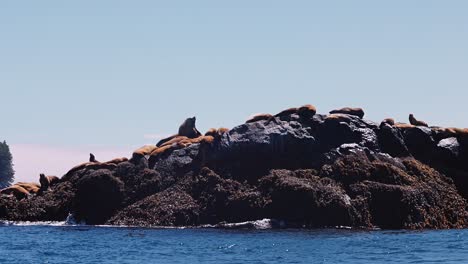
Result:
[{"x": 298, "y": 167}]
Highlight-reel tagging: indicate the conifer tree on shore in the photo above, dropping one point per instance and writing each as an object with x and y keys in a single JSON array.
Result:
[{"x": 6, "y": 165}]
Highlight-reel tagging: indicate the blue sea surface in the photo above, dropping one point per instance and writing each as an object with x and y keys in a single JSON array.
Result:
[{"x": 86, "y": 244}]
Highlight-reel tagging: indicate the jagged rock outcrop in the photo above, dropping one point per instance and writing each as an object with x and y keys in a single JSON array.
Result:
[{"x": 302, "y": 170}]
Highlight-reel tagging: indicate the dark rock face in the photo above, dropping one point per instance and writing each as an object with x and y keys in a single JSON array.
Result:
[
  {"x": 300, "y": 171},
  {"x": 420, "y": 142},
  {"x": 53, "y": 205},
  {"x": 172, "y": 207},
  {"x": 97, "y": 197},
  {"x": 391, "y": 141},
  {"x": 316, "y": 201}
]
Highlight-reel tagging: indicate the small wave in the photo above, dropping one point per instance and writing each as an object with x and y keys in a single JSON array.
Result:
[
  {"x": 257, "y": 224},
  {"x": 35, "y": 223}
]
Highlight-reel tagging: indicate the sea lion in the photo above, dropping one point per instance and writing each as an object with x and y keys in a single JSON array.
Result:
[
  {"x": 78, "y": 167},
  {"x": 99, "y": 166},
  {"x": 211, "y": 132},
  {"x": 222, "y": 130},
  {"x": 448, "y": 132},
  {"x": 164, "y": 140},
  {"x": 145, "y": 150},
  {"x": 217, "y": 133},
  {"x": 17, "y": 191},
  {"x": 389, "y": 121},
  {"x": 337, "y": 118},
  {"x": 116, "y": 161},
  {"x": 307, "y": 110},
  {"x": 188, "y": 128},
  {"x": 259, "y": 117},
  {"x": 403, "y": 125},
  {"x": 47, "y": 181},
  {"x": 286, "y": 112},
  {"x": 174, "y": 140},
  {"x": 29, "y": 186},
  {"x": 289, "y": 111},
  {"x": 204, "y": 139},
  {"x": 416, "y": 122},
  {"x": 154, "y": 156},
  {"x": 349, "y": 111},
  {"x": 92, "y": 158}
]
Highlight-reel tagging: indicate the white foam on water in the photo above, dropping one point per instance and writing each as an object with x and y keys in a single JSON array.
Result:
[
  {"x": 257, "y": 224},
  {"x": 35, "y": 223}
]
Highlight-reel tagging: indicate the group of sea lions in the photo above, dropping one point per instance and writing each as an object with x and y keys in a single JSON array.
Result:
[
  {"x": 23, "y": 190},
  {"x": 344, "y": 113},
  {"x": 443, "y": 132},
  {"x": 188, "y": 135}
]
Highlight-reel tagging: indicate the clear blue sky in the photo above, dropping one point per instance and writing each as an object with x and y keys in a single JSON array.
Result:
[{"x": 110, "y": 72}]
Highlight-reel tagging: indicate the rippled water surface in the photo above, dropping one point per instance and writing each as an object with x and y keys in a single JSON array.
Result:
[{"x": 83, "y": 244}]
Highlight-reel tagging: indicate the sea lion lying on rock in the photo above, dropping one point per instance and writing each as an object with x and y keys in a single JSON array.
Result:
[
  {"x": 447, "y": 132},
  {"x": 337, "y": 118},
  {"x": 416, "y": 122},
  {"x": 217, "y": 133},
  {"x": 117, "y": 161},
  {"x": 259, "y": 117},
  {"x": 90, "y": 166},
  {"x": 17, "y": 191},
  {"x": 403, "y": 125},
  {"x": 389, "y": 121},
  {"x": 47, "y": 181},
  {"x": 349, "y": 111},
  {"x": 143, "y": 151},
  {"x": 307, "y": 111},
  {"x": 177, "y": 143},
  {"x": 31, "y": 187},
  {"x": 174, "y": 140}
]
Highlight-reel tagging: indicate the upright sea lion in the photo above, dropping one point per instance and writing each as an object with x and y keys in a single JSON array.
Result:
[
  {"x": 17, "y": 191},
  {"x": 416, "y": 122},
  {"x": 92, "y": 158},
  {"x": 259, "y": 117},
  {"x": 188, "y": 128},
  {"x": 47, "y": 181},
  {"x": 349, "y": 111}
]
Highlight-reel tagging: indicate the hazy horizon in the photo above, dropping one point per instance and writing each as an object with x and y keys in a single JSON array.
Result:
[{"x": 109, "y": 76}]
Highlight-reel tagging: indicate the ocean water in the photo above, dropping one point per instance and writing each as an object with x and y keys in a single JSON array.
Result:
[{"x": 85, "y": 244}]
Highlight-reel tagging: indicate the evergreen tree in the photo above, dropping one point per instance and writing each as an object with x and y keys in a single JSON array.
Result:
[{"x": 6, "y": 166}]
